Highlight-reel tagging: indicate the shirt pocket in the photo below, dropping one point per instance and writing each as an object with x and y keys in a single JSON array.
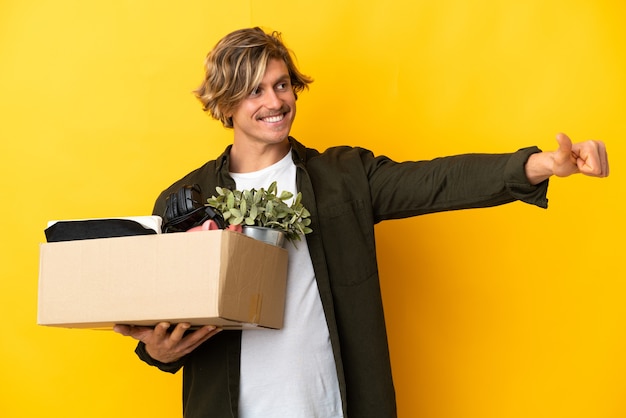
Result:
[{"x": 348, "y": 235}]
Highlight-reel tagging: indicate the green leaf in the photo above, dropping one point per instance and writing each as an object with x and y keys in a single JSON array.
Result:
[
  {"x": 230, "y": 201},
  {"x": 285, "y": 195}
]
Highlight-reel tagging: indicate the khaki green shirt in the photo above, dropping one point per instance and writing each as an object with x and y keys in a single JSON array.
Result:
[{"x": 348, "y": 190}]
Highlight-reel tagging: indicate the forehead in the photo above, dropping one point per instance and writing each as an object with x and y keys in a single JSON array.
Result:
[{"x": 276, "y": 69}]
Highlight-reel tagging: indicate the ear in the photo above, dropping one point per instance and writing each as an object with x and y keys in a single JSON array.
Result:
[{"x": 227, "y": 119}]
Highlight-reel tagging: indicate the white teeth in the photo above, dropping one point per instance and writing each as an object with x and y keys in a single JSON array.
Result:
[{"x": 272, "y": 119}]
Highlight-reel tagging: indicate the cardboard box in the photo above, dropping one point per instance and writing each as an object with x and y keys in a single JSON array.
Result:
[{"x": 219, "y": 278}]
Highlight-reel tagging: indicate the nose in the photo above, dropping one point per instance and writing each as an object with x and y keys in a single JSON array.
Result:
[{"x": 272, "y": 100}]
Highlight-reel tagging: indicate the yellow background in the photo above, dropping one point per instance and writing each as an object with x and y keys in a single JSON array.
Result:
[{"x": 496, "y": 313}]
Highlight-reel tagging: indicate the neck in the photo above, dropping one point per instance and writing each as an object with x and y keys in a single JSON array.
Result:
[{"x": 252, "y": 157}]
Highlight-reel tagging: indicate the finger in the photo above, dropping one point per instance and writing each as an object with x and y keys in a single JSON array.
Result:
[
  {"x": 592, "y": 159},
  {"x": 136, "y": 332},
  {"x": 604, "y": 159},
  {"x": 210, "y": 225},
  {"x": 160, "y": 329},
  {"x": 200, "y": 336},
  {"x": 179, "y": 331},
  {"x": 125, "y": 330},
  {"x": 203, "y": 340},
  {"x": 191, "y": 341}
]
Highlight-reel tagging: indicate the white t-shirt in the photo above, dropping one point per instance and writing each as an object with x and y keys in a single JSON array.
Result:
[{"x": 289, "y": 372}]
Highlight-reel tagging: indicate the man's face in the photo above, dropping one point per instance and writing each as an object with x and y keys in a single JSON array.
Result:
[{"x": 266, "y": 115}]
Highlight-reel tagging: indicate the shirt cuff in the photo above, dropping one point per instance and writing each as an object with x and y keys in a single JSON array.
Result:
[
  {"x": 517, "y": 183},
  {"x": 142, "y": 353}
]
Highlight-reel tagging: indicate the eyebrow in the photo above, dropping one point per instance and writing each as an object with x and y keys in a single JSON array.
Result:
[{"x": 282, "y": 79}]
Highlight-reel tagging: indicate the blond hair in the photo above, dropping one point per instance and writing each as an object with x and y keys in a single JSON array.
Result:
[{"x": 236, "y": 66}]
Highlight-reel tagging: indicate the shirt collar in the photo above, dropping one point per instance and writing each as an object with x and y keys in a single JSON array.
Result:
[{"x": 298, "y": 153}]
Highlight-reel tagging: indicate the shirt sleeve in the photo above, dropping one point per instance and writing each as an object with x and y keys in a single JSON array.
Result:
[
  {"x": 403, "y": 189},
  {"x": 517, "y": 182},
  {"x": 166, "y": 367}
]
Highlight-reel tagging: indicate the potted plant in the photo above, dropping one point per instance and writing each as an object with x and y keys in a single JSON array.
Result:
[{"x": 263, "y": 208}]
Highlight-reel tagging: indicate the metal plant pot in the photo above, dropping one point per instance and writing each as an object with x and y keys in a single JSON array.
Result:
[{"x": 267, "y": 235}]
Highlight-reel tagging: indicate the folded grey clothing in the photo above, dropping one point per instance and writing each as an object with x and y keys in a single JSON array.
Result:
[{"x": 95, "y": 228}]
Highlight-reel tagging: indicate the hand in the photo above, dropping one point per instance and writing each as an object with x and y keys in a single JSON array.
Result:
[
  {"x": 211, "y": 225},
  {"x": 588, "y": 158},
  {"x": 165, "y": 346}
]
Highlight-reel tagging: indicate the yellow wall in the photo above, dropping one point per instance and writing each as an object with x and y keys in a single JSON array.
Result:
[{"x": 498, "y": 313}]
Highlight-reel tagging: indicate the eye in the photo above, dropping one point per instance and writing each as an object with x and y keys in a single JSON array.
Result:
[{"x": 256, "y": 91}]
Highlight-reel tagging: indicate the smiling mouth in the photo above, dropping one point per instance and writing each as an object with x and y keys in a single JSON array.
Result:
[
  {"x": 276, "y": 116},
  {"x": 273, "y": 118}
]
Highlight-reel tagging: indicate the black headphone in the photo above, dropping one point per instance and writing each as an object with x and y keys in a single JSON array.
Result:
[{"x": 184, "y": 210}]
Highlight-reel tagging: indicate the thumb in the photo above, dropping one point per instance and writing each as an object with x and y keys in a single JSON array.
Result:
[
  {"x": 565, "y": 145},
  {"x": 564, "y": 159}
]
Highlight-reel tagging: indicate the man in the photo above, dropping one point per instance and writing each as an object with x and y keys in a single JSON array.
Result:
[{"x": 331, "y": 357}]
